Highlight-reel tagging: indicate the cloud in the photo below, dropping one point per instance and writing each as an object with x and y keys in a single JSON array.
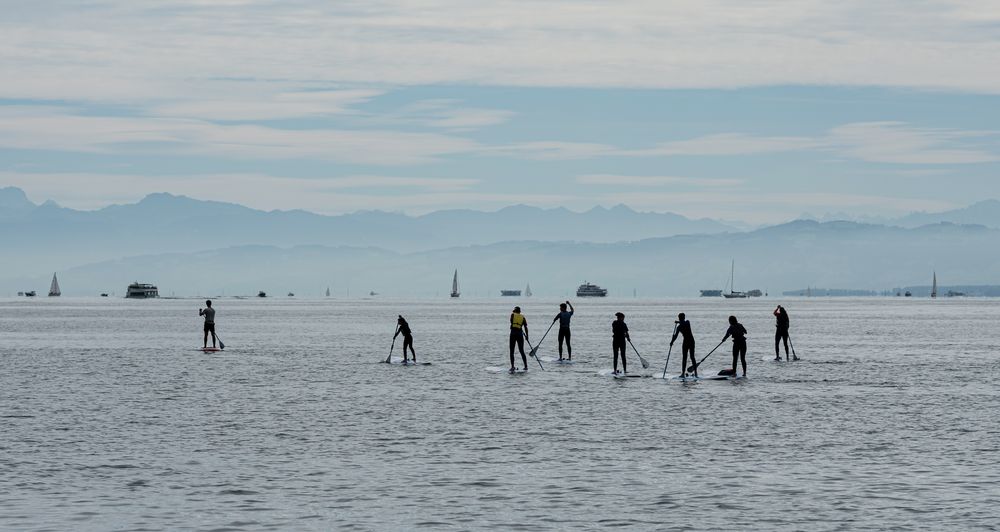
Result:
[
  {"x": 122, "y": 50},
  {"x": 268, "y": 106},
  {"x": 654, "y": 181},
  {"x": 55, "y": 130}
]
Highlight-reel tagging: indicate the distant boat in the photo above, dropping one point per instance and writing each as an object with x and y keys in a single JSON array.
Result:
[
  {"x": 21, "y": 294},
  {"x": 510, "y": 293},
  {"x": 290, "y": 294},
  {"x": 454, "y": 285},
  {"x": 373, "y": 293},
  {"x": 527, "y": 290},
  {"x": 590, "y": 290},
  {"x": 328, "y": 291},
  {"x": 262, "y": 294},
  {"x": 30, "y": 293},
  {"x": 908, "y": 293},
  {"x": 732, "y": 293},
  {"x": 54, "y": 287},
  {"x": 139, "y": 290},
  {"x": 104, "y": 294},
  {"x": 711, "y": 293},
  {"x": 933, "y": 287},
  {"x": 952, "y": 293}
]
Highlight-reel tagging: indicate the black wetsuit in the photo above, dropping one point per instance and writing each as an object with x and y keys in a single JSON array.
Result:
[
  {"x": 619, "y": 334},
  {"x": 687, "y": 346},
  {"x": 404, "y": 329},
  {"x": 739, "y": 334},
  {"x": 781, "y": 333},
  {"x": 517, "y": 339},
  {"x": 564, "y": 334}
]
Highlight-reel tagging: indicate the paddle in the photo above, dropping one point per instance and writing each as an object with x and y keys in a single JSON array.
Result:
[
  {"x": 645, "y": 365},
  {"x": 221, "y": 345},
  {"x": 695, "y": 366},
  {"x": 794, "y": 356},
  {"x": 671, "y": 348},
  {"x": 388, "y": 358},
  {"x": 535, "y": 349}
]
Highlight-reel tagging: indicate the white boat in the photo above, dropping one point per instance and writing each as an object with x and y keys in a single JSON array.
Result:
[
  {"x": 732, "y": 294},
  {"x": 454, "y": 285},
  {"x": 139, "y": 290},
  {"x": 54, "y": 287},
  {"x": 590, "y": 290}
]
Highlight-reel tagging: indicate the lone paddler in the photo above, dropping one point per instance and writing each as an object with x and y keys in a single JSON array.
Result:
[
  {"x": 781, "y": 332},
  {"x": 404, "y": 329},
  {"x": 739, "y": 334},
  {"x": 209, "y": 313},
  {"x": 518, "y": 333}
]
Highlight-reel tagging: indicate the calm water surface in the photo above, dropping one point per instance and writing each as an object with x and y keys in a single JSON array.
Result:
[{"x": 112, "y": 419}]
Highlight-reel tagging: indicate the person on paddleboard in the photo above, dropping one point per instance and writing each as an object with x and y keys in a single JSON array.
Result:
[
  {"x": 404, "y": 329},
  {"x": 518, "y": 332},
  {"x": 564, "y": 317},
  {"x": 209, "y": 314},
  {"x": 619, "y": 335},
  {"x": 781, "y": 333},
  {"x": 739, "y": 334},
  {"x": 687, "y": 345}
]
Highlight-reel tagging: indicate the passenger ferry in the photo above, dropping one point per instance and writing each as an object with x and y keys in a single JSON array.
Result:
[
  {"x": 591, "y": 290},
  {"x": 139, "y": 290}
]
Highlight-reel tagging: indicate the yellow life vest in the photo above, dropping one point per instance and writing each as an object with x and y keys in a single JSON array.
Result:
[{"x": 516, "y": 321}]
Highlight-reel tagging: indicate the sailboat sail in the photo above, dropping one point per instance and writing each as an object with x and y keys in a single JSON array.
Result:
[
  {"x": 527, "y": 290},
  {"x": 54, "y": 287},
  {"x": 328, "y": 291},
  {"x": 934, "y": 286},
  {"x": 454, "y": 285},
  {"x": 733, "y": 294}
]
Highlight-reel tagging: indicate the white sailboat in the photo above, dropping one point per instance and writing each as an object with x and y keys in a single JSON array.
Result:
[
  {"x": 933, "y": 286},
  {"x": 527, "y": 290},
  {"x": 54, "y": 287},
  {"x": 732, "y": 294},
  {"x": 454, "y": 285}
]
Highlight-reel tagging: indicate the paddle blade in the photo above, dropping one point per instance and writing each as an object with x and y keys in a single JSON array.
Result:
[
  {"x": 645, "y": 365},
  {"x": 221, "y": 345},
  {"x": 692, "y": 368}
]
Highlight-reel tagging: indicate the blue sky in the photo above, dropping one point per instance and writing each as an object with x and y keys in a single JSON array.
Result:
[{"x": 735, "y": 110}]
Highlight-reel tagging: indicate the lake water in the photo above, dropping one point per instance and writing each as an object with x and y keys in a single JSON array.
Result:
[{"x": 112, "y": 419}]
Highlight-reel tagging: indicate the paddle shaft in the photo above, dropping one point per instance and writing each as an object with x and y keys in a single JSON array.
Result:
[
  {"x": 669, "y": 349},
  {"x": 695, "y": 367},
  {"x": 543, "y": 338},
  {"x": 641, "y": 360},
  {"x": 389, "y": 358},
  {"x": 533, "y": 353},
  {"x": 789, "y": 343}
]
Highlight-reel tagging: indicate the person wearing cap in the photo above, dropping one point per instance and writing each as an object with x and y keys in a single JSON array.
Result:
[
  {"x": 404, "y": 329},
  {"x": 518, "y": 333},
  {"x": 619, "y": 335}
]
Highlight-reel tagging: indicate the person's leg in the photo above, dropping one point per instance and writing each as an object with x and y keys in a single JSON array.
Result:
[
  {"x": 569, "y": 346},
  {"x": 736, "y": 356},
  {"x": 743, "y": 359},
  {"x": 777, "y": 343},
  {"x": 562, "y": 336},
  {"x": 689, "y": 352},
  {"x": 204, "y": 342},
  {"x": 408, "y": 343},
  {"x": 213, "y": 336},
  {"x": 614, "y": 349},
  {"x": 624, "y": 362},
  {"x": 513, "y": 342},
  {"x": 784, "y": 336},
  {"x": 520, "y": 346}
]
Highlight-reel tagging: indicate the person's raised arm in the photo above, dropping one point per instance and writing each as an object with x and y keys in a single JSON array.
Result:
[{"x": 571, "y": 310}]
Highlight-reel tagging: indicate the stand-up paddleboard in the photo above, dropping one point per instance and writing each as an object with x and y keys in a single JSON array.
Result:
[
  {"x": 401, "y": 363},
  {"x": 209, "y": 349},
  {"x": 501, "y": 369},
  {"x": 611, "y": 373},
  {"x": 692, "y": 378},
  {"x": 554, "y": 360}
]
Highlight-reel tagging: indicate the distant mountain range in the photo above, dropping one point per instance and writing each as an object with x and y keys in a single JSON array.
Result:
[
  {"x": 49, "y": 237},
  {"x": 986, "y": 212},
  {"x": 801, "y": 253}
]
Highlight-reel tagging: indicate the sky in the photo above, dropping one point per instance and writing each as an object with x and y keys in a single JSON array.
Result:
[{"x": 757, "y": 111}]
